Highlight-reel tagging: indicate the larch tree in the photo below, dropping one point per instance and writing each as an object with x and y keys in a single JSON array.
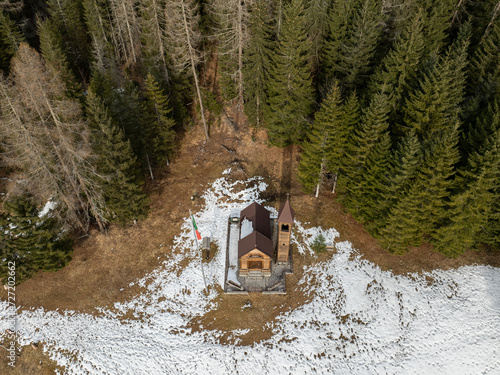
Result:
[
  {"x": 257, "y": 62},
  {"x": 290, "y": 90},
  {"x": 183, "y": 40},
  {"x": 98, "y": 23},
  {"x": 125, "y": 30},
  {"x": 232, "y": 35},
  {"x": 47, "y": 139}
]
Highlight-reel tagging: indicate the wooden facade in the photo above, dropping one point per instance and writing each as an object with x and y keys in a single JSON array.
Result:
[
  {"x": 285, "y": 223},
  {"x": 255, "y": 250},
  {"x": 255, "y": 261}
]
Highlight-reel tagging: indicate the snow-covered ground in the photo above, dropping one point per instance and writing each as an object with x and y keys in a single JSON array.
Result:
[{"x": 360, "y": 320}]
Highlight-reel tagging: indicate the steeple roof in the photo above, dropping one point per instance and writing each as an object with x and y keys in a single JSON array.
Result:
[{"x": 286, "y": 213}]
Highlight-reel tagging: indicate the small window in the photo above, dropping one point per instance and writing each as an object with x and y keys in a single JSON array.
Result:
[{"x": 285, "y": 228}]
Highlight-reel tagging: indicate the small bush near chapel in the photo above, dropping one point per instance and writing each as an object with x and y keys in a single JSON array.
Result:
[{"x": 319, "y": 244}]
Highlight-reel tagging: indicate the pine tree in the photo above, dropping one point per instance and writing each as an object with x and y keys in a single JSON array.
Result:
[
  {"x": 256, "y": 63},
  {"x": 30, "y": 240},
  {"x": 117, "y": 165},
  {"x": 159, "y": 134},
  {"x": 291, "y": 95},
  {"x": 322, "y": 143},
  {"x": 368, "y": 158}
]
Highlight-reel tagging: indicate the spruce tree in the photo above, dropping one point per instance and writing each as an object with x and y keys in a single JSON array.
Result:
[
  {"x": 31, "y": 240},
  {"x": 51, "y": 42},
  {"x": 472, "y": 213},
  {"x": 67, "y": 17},
  {"x": 406, "y": 160},
  {"x": 10, "y": 38},
  {"x": 290, "y": 90},
  {"x": 437, "y": 21},
  {"x": 116, "y": 164},
  {"x": 397, "y": 72},
  {"x": 340, "y": 18},
  {"x": 402, "y": 228},
  {"x": 256, "y": 65},
  {"x": 368, "y": 159},
  {"x": 483, "y": 87},
  {"x": 435, "y": 181},
  {"x": 322, "y": 142},
  {"x": 317, "y": 24},
  {"x": 435, "y": 106},
  {"x": 160, "y": 134},
  {"x": 339, "y": 160},
  {"x": 358, "y": 49}
]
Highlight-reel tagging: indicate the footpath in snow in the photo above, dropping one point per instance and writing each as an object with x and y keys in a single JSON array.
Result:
[{"x": 360, "y": 320}]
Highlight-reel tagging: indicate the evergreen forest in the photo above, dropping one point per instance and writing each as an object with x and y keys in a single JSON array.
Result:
[{"x": 395, "y": 104}]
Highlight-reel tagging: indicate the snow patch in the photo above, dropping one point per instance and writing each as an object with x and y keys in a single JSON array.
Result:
[
  {"x": 359, "y": 319},
  {"x": 246, "y": 227}
]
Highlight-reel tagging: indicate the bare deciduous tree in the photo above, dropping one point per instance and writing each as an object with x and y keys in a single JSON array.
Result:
[
  {"x": 232, "y": 34},
  {"x": 183, "y": 37},
  {"x": 47, "y": 140},
  {"x": 125, "y": 29}
]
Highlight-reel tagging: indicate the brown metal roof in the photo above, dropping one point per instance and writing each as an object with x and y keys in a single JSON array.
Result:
[
  {"x": 286, "y": 213},
  {"x": 255, "y": 240},
  {"x": 259, "y": 217}
]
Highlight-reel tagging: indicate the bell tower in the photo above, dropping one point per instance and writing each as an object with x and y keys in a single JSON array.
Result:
[{"x": 285, "y": 223}]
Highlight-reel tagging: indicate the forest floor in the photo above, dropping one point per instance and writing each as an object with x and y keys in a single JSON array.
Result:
[{"x": 104, "y": 265}]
